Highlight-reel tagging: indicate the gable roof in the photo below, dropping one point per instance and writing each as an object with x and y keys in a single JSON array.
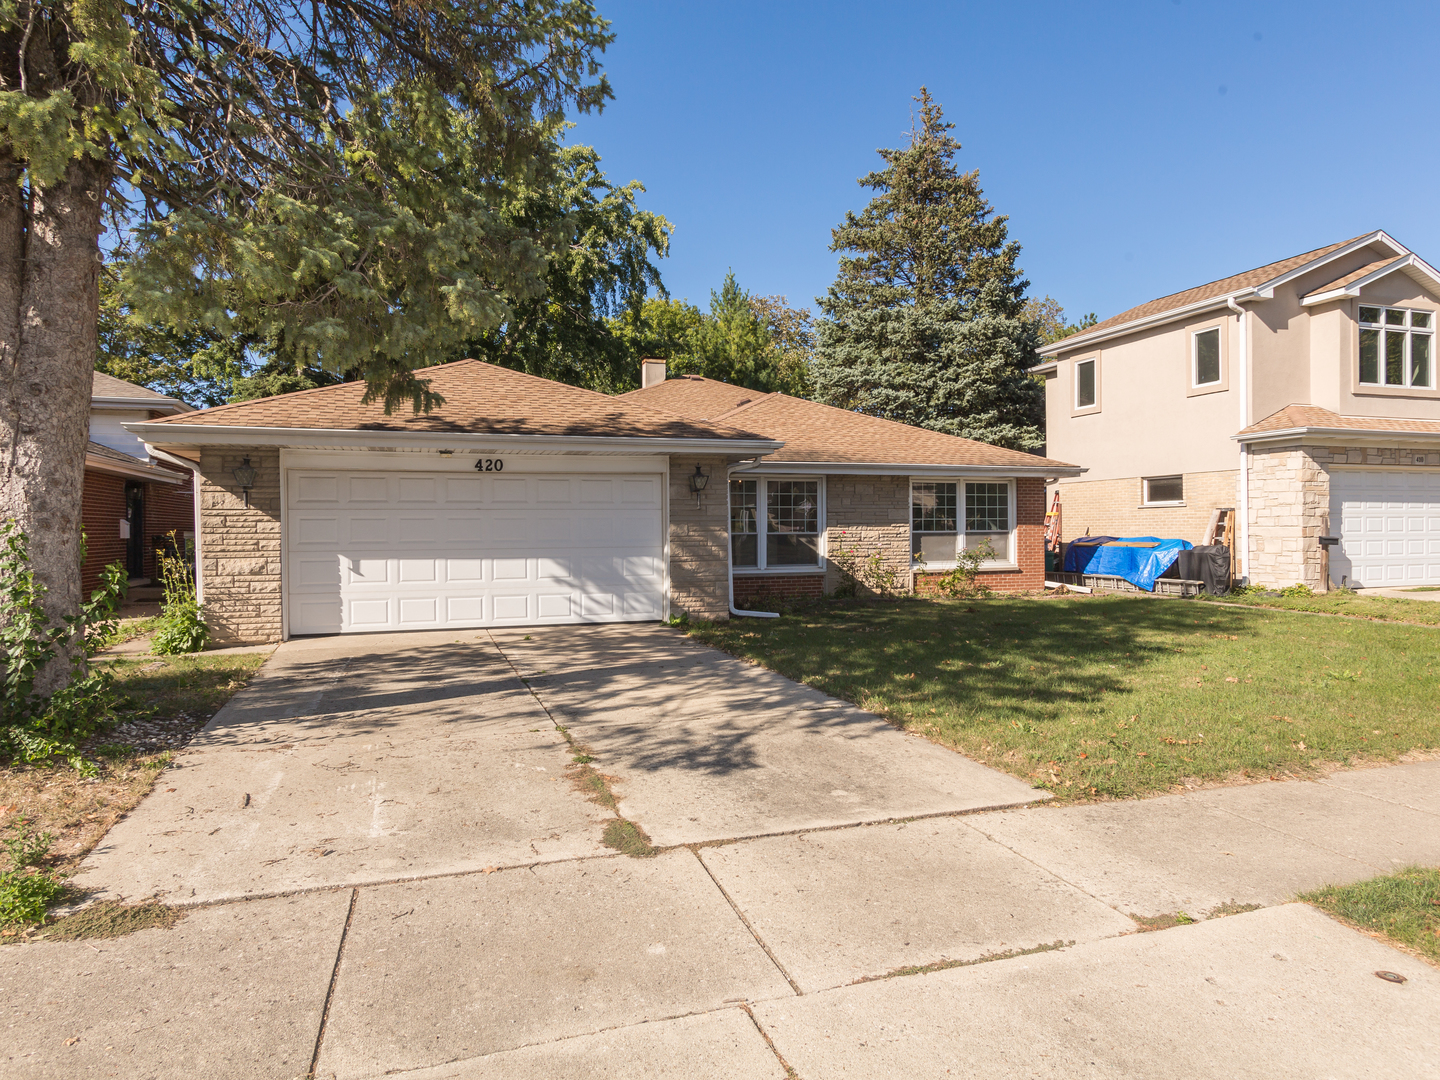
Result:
[
  {"x": 106, "y": 459},
  {"x": 108, "y": 390},
  {"x": 480, "y": 399},
  {"x": 1352, "y": 283},
  {"x": 816, "y": 434},
  {"x": 1256, "y": 283},
  {"x": 1300, "y": 418}
]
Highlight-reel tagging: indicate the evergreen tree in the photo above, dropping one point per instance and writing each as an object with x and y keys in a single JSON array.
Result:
[{"x": 926, "y": 323}]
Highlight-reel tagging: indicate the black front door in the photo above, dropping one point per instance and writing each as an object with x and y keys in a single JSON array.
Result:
[{"x": 135, "y": 514}]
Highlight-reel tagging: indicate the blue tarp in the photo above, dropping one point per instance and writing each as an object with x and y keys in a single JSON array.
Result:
[{"x": 1138, "y": 565}]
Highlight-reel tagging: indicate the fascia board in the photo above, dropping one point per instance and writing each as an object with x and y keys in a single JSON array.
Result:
[
  {"x": 174, "y": 405},
  {"x": 341, "y": 439},
  {"x": 883, "y": 468},
  {"x": 1387, "y": 435},
  {"x": 1408, "y": 262},
  {"x": 1267, "y": 289},
  {"x": 138, "y": 472},
  {"x": 1043, "y": 369},
  {"x": 1080, "y": 344}
]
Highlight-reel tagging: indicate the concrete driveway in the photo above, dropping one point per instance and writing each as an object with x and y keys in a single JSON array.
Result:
[{"x": 388, "y": 870}]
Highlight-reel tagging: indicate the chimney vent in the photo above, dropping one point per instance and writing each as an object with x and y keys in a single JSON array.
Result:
[{"x": 652, "y": 372}]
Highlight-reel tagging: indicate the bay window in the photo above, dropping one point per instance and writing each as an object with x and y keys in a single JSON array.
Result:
[{"x": 786, "y": 535}]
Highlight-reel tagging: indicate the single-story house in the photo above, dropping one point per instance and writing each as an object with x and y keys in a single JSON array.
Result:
[
  {"x": 524, "y": 501},
  {"x": 131, "y": 501}
]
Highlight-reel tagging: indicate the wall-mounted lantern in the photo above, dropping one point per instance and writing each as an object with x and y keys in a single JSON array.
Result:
[
  {"x": 697, "y": 484},
  {"x": 245, "y": 477}
]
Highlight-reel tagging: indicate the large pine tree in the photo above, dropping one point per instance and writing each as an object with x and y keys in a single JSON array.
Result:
[{"x": 926, "y": 322}]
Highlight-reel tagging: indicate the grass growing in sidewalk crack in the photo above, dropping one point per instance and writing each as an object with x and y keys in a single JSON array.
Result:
[
  {"x": 945, "y": 965},
  {"x": 1146, "y": 923},
  {"x": 628, "y": 838}
]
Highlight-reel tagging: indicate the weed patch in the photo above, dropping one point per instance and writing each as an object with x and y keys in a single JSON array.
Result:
[
  {"x": 1146, "y": 923},
  {"x": 628, "y": 838},
  {"x": 111, "y": 920},
  {"x": 1230, "y": 907}
]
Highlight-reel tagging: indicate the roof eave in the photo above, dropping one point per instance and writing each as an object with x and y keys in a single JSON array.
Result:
[
  {"x": 1408, "y": 262},
  {"x": 172, "y": 434},
  {"x": 1354, "y": 434},
  {"x": 910, "y": 468},
  {"x": 138, "y": 471}
]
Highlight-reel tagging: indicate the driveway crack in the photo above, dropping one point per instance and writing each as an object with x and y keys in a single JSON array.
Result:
[
  {"x": 753, "y": 932},
  {"x": 334, "y": 978}
]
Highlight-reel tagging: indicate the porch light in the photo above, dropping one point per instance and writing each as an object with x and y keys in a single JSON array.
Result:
[
  {"x": 697, "y": 483},
  {"x": 245, "y": 477}
]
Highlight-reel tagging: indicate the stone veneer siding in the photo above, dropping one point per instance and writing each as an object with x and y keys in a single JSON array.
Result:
[
  {"x": 240, "y": 546},
  {"x": 1290, "y": 504},
  {"x": 868, "y": 515},
  {"x": 699, "y": 561},
  {"x": 1029, "y": 546},
  {"x": 1112, "y": 507}
]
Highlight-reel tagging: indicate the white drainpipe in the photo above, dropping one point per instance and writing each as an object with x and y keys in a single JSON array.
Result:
[
  {"x": 730, "y": 552},
  {"x": 1243, "y": 377}
]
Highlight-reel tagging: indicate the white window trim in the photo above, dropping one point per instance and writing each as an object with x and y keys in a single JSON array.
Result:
[
  {"x": 1094, "y": 361},
  {"x": 762, "y": 526},
  {"x": 1409, "y": 332},
  {"x": 1145, "y": 499},
  {"x": 1219, "y": 380},
  {"x": 1012, "y": 538}
]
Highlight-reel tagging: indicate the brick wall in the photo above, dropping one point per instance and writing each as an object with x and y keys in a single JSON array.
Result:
[
  {"x": 167, "y": 507},
  {"x": 1112, "y": 507},
  {"x": 868, "y": 515},
  {"x": 102, "y": 507},
  {"x": 750, "y": 587},
  {"x": 699, "y": 562},
  {"x": 1030, "y": 509},
  {"x": 240, "y": 547}
]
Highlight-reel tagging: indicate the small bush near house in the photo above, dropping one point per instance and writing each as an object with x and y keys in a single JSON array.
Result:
[
  {"x": 871, "y": 572},
  {"x": 34, "y": 727},
  {"x": 962, "y": 582},
  {"x": 182, "y": 626}
]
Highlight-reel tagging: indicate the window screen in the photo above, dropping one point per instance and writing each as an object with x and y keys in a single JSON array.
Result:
[
  {"x": 1207, "y": 357},
  {"x": 744, "y": 528},
  {"x": 1084, "y": 384},
  {"x": 987, "y": 518},
  {"x": 932, "y": 508},
  {"x": 792, "y": 527},
  {"x": 1165, "y": 489}
]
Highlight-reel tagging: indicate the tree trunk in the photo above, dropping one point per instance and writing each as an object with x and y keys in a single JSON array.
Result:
[{"x": 49, "y": 355}]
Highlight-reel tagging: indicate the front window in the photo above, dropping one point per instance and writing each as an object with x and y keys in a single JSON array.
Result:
[
  {"x": 1085, "y": 384},
  {"x": 1207, "y": 357},
  {"x": 1164, "y": 490},
  {"x": 1396, "y": 347},
  {"x": 787, "y": 534},
  {"x": 941, "y": 526}
]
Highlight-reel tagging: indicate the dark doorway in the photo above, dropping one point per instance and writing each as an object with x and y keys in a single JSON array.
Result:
[{"x": 135, "y": 515}]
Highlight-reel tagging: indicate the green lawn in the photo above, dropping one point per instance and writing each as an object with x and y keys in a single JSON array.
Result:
[
  {"x": 1116, "y": 696},
  {"x": 1405, "y": 907},
  {"x": 1344, "y": 602}
]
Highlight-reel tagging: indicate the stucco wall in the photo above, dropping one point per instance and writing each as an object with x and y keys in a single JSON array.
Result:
[
  {"x": 868, "y": 515},
  {"x": 1113, "y": 507},
  {"x": 240, "y": 546},
  {"x": 699, "y": 563}
]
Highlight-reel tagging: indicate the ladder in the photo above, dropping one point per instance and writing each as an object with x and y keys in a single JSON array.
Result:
[
  {"x": 1052, "y": 525},
  {"x": 1222, "y": 521}
]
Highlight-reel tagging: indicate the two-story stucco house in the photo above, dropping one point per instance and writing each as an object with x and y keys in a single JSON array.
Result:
[{"x": 1302, "y": 394}]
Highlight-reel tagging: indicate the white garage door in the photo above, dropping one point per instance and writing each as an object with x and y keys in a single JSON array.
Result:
[
  {"x": 1389, "y": 527},
  {"x": 370, "y": 551}
]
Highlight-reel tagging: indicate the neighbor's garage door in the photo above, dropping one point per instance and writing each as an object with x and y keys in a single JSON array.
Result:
[
  {"x": 1389, "y": 527},
  {"x": 372, "y": 551}
]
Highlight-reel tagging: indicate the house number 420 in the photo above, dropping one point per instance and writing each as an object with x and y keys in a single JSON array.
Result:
[{"x": 490, "y": 464}]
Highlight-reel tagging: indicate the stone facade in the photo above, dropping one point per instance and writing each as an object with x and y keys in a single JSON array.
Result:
[
  {"x": 1113, "y": 507},
  {"x": 240, "y": 546},
  {"x": 868, "y": 515},
  {"x": 699, "y": 561}
]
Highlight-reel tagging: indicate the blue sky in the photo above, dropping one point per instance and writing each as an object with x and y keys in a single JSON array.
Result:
[{"x": 1138, "y": 148}]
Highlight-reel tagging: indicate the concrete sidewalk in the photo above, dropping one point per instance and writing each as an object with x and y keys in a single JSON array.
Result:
[{"x": 793, "y": 927}]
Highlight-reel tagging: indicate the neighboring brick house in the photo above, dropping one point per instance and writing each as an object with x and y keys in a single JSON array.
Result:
[
  {"x": 129, "y": 499},
  {"x": 523, "y": 501},
  {"x": 1302, "y": 394},
  {"x": 845, "y": 486}
]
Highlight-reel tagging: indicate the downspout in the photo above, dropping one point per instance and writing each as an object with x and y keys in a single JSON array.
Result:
[
  {"x": 175, "y": 459},
  {"x": 730, "y": 551},
  {"x": 1243, "y": 377}
]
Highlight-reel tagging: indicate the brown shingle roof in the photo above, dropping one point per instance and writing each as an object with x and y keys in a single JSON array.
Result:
[
  {"x": 480, "y": 398},
  {"x": 693, "y": 396},
  {"x": 1213, "y": 290},
  {"x": 1354, "y": 276},
  {"x": 820, "y": 433},
  {"x": 1313, "y": 416},
  {"x": 107, "y": 386}
]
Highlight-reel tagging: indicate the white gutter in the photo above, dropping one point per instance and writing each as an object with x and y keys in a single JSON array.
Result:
[
  {"x": 900, "y": 468},
  {"x": 351, "y": 439},
  {"x": 138, "y": 471},
  {"x": 173, "y": 405},
  {"x": 1244, "y": 385},
  {"x": 730, "y": 550},
  {"x": 194, "y": 468}
]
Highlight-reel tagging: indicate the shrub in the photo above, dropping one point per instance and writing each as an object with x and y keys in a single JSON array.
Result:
[
  {"x": 36, "y": 727},
  {"x": 25, "y": 889},
  {"x": 182, "y": 624},
  {"x": 871, "y": 571},
  {"x": 963, "y": 579}
]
